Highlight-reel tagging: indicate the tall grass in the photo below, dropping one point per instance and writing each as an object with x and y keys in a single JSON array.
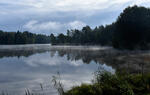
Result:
[
  {"x": 114, "y": 84},
  {"x": 58, "y": 84},
  {"x": 104, "y": 83}
]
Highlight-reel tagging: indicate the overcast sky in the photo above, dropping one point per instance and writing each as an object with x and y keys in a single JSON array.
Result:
[{"x": 56, "y": 16}]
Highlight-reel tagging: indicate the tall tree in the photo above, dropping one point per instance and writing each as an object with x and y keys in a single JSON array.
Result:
[{"x": 131, "y": 28}]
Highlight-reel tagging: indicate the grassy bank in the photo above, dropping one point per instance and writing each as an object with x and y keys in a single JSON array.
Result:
[
  {"x": 114, "y": 84},
  {"x": 104, "y": 84}
]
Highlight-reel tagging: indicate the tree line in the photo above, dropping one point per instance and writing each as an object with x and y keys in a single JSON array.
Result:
[
  {"x": 23, "y": 38},
  {"x": 101, "y": 35},
  {"x": 131, "y": 30}
]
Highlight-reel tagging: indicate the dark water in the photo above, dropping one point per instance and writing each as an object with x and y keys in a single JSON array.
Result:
[{"x": 27, "y": 66}]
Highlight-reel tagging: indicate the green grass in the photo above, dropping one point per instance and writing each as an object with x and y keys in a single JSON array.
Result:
[{"x": 115, "y": 84}]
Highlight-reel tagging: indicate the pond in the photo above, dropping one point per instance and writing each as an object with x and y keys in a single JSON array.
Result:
[{"x": 25, "y": 67}]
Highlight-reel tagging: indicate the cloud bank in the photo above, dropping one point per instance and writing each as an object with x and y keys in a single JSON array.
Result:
[
  {"x": 55, "y": 16},
  {"x": 51, "y": 26}
]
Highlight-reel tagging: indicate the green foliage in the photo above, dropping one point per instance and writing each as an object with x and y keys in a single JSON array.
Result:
[
  {"x": 140, "y": 84},
  {"x": 100, "y": 36},
  {"x": 115, "y": 84},
  {"x": 42, "y": 39},
  {"x": 132, "y": 30},
  {"x": 22, "y": 38},
  {"x": 85, "y": 89},
  {"x": 52, "y": 38}
]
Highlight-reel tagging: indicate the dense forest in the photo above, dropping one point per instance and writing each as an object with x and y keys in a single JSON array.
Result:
[
  {"x": 130, "y": 31},
  {"x": 22, "y": 38},
  {"x": 101, "y": 35}
]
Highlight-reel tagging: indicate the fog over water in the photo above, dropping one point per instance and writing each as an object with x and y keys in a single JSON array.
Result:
[{"x": 27, "y": 66}]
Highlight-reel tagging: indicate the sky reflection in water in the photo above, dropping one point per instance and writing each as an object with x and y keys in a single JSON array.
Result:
[{"x": 19, "y": 73}]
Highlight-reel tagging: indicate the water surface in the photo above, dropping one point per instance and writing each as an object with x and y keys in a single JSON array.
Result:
[{"x": 27, "y": 66}]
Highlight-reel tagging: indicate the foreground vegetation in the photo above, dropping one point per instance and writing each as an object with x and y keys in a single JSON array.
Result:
[
  {"x": 114, "y": 84},
  {"x": 130, "y": 31},
  {"x": 104, "y": 83}
]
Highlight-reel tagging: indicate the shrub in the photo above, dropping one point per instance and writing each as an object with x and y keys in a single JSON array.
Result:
[
  {"x": 115, "y": 84},
  {"x": 85, "y": 89}
]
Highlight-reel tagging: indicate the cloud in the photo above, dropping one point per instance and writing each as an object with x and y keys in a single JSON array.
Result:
[
  {"x": 47, "y": 16},
  {"x": 62, "y": 5},
  {"x": 52, "y": 26},
  {"x": 51, "y": 61},
  {"x": 34, "y": 25},
  {"x": 141, "y": 2},
  {"x": 43, "y": 27},
  {"x": 80, "y": 6},
  {"x": 76, "y": 24}
]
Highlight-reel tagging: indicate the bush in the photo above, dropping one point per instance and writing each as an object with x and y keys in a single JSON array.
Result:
[
  {"x": 115, "y": 84},
  {"x": 85, "y": 89}
]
